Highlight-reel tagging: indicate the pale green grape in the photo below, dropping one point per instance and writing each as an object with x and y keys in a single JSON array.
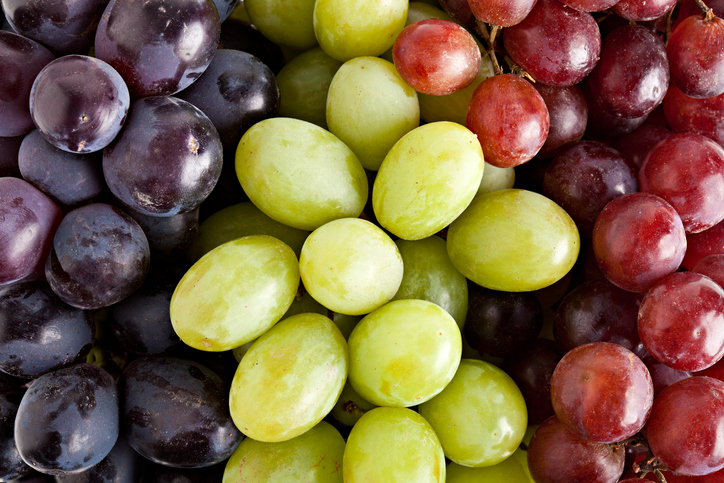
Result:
[
  {"x": 521, "y": 455},
  {"x": 514, "y": 241},
  {"x": 303, "y": 86},
  {"x": 313, "y": 457},
  {"x": 480, "y": 417},
  {"x": 350, "y": 406},
  {"x": 289, "y": 379},
  {"x": 370, "y": 107},
  {"x": 393, "y": 445},
  {"x": 287, "y": 22},
  {"x": 507, "y": 471},
  {"x": 350, "y": 266},
  {"x": 404, "y": 353},
  {"x": 236, "y": 221},
  {"x": 352, "y": 28},
  {"x": 496, "y": 179},
  {"x": 346, "y": 323},
  {"x": 427, "y": 179},
  {"x": 240, "y": 351},
  {"x": 430, "y": 275},
  {"x": 300, "y": 174},
  {"x": 235, "y": 293}
]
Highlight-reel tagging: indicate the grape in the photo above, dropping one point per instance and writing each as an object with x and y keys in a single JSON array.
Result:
[
  {"x": 555, "y": 44},
  {"x": 557, "y": 455},
  {"x": 632, "y": 75},
  {"x": 638, "y": 239},
  {"x": 459, "y": 10},
  {"x": 404, "y": 353},
  {"x": 513, "y": 240},
  {"x": 352, "y": 28},
  {"x": 712, "y": 266},
  {"x": 510, "y": 119},
  {"x": 508, "y": 471},
  {"x": 315, "y": 456},
  {"x": 495, "y": 179},
  {"x": 68, "y": 177},
  {"x": 284, "y": 22},
  {"x": 300, "y": 174},
  {"x": 258, "y": 276},
  {"x": 683, "y": 426},
  {"x": 635, "y": 145},
  {"x": 351, "y": 266},
  {"x": 590, "y": 5},
  {"x": 662, "y": 375},
  {"x": 68, "y": 419},
  {"x": 304, "y": 84},
  {"x": 427, "y": 180},
  {"x": 504, "y": 13},
  {"x": 20, "y": 61},
  {"x": 168, "y": 236},
  {"x": 290, "y": 379},
  {"x": 350, "y": 406},
  {"x": 480, "y": 417},
  {"x": 100, "y": 256},
  {"x": 638, "y": 11},
  {"x": 700, "y": 116},
  {"x": 700, "y": 245},
  {"x": 602, "y": 392},
  {"x": 602, "y": 124},
  {"x": 12, "y": 465},
  {"x": 681, "y": 321},
  {"x": 370, "y": 89},
  {"x": 430, "y": 275},
  {"x": 237, "y": 33},
  {"x": 436, "y": 56},
  {"x": 175, "y": 412},
  {"x": 122, "y": 465},
  {"x": 695, "y": 53},
  {"x": 66, "y": 26},
  {"x": 30, "y": 219},
  {"x": 235, "y": 92},
  {"x": 159, "y": 47},
  {"x": 9, "y": 148},
  {"x": 394, "y": 445},
  {"x": 166, "y": 160},
  {"x": 568, "y": 113}
]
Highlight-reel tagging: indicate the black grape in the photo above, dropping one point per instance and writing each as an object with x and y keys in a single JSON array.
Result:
[
  {"x": 68, "y": 420},
  {"x": 167, "y": 474},
  {"x": 122, "y": 465},
  {"x": 240, "y": 35},
  {"x": 39, "y": 332},
  {"x": 225, "y": 7},
  {"x": 168, "y": 236},
  {"x": 11, "y": 464}
]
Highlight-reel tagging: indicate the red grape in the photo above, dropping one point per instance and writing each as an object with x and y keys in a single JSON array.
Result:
[
  {"x": 642, "y": 10},
  {"x": 568, "y": 113},
  {"x": 689, "y": 114},
  {"x": 504, "y": 13},
  {"x": 662, "y": 375},
  {"x": 635, "y": 146},
  {"x": 700, "y": 245},
  {"x": 590, "y": 5},
  {"x": 711, "y": 266}
]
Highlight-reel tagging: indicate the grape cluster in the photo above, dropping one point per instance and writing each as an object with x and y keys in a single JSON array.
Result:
[{"x": 362, "y": 241}]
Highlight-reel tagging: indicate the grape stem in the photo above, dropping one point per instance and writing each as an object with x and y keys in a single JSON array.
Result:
[
  {"x": 706, "y": 11},
  {"x": 490, "y": 36},
  {"x": 515, "y": 69},
  {"x": 650, "y": 465}
]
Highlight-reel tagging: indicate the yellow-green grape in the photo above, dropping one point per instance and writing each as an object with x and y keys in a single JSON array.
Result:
[
  {"x": 287, "y": 22},
  {"x": 346, "y": 323},
  {"x": 241, "y": 220},
  {"x": 453, "y": 107},
  {"x": 300, "y": 174},
  {"x": 507, "y": 471},
  {"x": 404, "y": 353},
  {"x": 480, "y": 417},
  {"x": 521, "y": 455},
  {"x": 496, "y": 179},
  {"x": 430, "y": 275},
  {"x": 289, "y": 379},
  {"x": 239, "y": 13},
  {"x": 235, "y": 293},
  {"x": 313, "y": 457},
  {"x": 370, "y": 107},
  {"x": 514, "y": 241},
  {"x": 393, "y": 445},
  {"x": 427, "y": 179},
  {"x": 239, "y": 352},
  {"x": 350, "y": 406},
  {"x": 351, "y": 266},
  {"x": 304, "y": 84},
  {"x": 352, "y": 28}
]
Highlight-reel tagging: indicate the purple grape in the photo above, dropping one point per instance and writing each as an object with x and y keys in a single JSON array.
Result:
[
  {"x": 20, "y": 61},
  {"x": 12, "y": 465},
  {"x": 240, "y": 35},
  {"x": 158, "y": 46},
  {"x": 169, "y": 237},
  {"x": 166, "y": 160},
  {"x": 67, "y": 177},
  {"x": 9, "y": 148},
  {"x": 100, "y": 256},
  {"x": 122, "y": 465}
]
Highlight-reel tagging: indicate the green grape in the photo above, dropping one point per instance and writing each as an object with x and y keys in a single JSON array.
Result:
[
  {"x": 235, "y": 293},
  {"x": 393, "y": 445},
  {"x": 303, "y": 86},
  {"x": 352, "y": 28},
  {"x": 404, "y": 353},
  {"x": 420, "y": 11},
  {"x": 240, "y": 351},
  {"x": 496, "y": 179},
  {"x": 313, "y": 457},
  {"x": 240, "y": 220},
  {"x": 514, "y": 241},
  {"x": 287, "y": 22},
  {"x": 427, "y": 180},
  {"x": 521, "y": 455},
  {"x": 289, "y": 379},
  {"x": 370, "y": 107},
  {"x": 350, "y": 266},
  {"x": 480, "y": 417},
  {"x": 454, "y": 107},
  {"x": 346, "y": 323},
  {"x": 300, "y": 174},
  {"x": 350, "y": 406},
  {"x": 430, "y": 275},
  {"x": 507, "y": 471}
]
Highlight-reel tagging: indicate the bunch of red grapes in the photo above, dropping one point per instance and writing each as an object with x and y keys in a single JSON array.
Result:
[{"x": 119, "y": 126}]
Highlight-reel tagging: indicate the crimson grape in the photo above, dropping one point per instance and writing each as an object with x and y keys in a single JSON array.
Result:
[
  {"x": 504, "y": 13},
  {"x": 662, "y": 375},
  {"x": 460, "y": 11},
  {"x": 635, "y": 146},
  {"x": 712, "y": 266},
  {"x": 689, "y": 114},
  {"x": 604, "y": 125},
  {"x": 640, "y": 11},
  {"x": 590, "y": 5},
  {"x": 568, "y": 113}
]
